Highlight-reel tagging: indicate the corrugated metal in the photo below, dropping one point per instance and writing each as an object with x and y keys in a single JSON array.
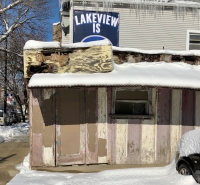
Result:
[{"x": 146, "y": 31}]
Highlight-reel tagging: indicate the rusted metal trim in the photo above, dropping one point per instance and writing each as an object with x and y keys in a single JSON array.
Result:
[
  {"x": 125, "y": 116},
  {"x": 121, "y": 86}
]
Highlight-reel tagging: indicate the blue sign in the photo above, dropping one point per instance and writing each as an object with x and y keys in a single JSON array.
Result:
[{"x": 92, "y": 26}]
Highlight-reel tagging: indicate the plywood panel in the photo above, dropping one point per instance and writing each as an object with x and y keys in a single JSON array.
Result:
[
  {"x": 188, "y": 110},
  {"x": 134, "y": 141},
  {"x": 48, "y": 111},
  {"x": 163, "y": 128},
  {"x": 70, "y": 137},
  {"x": 92, "y": 132},
  {"x": 70, "y": 126},
  {"x": 121, "y": 141},
  {"x": 175, "y": 121},
  {"x": 102, "y": 125},
  {"x": 197, "y": 110},
  {"x": 149, "y": 132}
]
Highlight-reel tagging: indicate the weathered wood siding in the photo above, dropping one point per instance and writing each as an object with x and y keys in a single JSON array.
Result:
[
  {"x": 99, "y": 138},
  {"x": 70, "y": 126},
  {"x": 152, "y": 141},
  {"x": 42, "y": 121},
  {"x": 102, "y": 126}
]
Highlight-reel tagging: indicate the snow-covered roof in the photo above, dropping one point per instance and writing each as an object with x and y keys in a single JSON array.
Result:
[
  {"x": 56, "y": 23},
  {"x": 178, "y": 75},
  {"x": 33, "y": 44},
  {"x": 152, "y": 52}
]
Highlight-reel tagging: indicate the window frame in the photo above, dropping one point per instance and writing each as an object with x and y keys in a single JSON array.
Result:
[
  {"x": 148, "y": 106},
  {"x": 188, "y": 38}
]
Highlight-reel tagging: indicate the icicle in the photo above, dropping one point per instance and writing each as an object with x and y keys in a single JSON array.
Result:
[{"x": 154, "y": 8}]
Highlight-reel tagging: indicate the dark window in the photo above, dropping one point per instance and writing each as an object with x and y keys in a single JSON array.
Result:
[
  {"x": 194, "y": 42},
  {"x": 131, "y": 102}
]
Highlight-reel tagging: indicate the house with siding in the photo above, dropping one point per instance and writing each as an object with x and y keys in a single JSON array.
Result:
[
  {"x": 145, "y": 24},
  {"x": 106, "y": 102}
]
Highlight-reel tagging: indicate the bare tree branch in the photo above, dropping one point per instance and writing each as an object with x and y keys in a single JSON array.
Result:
[{"x": 10, "y": 6}]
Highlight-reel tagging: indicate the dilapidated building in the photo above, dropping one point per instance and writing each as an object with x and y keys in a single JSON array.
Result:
[{"x": 92, "y": 103}]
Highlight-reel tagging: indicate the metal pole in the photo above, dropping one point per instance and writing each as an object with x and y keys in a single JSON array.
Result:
[{"x": 5, "y": 84}]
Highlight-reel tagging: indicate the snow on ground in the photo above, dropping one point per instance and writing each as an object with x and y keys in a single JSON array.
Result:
[
  {"x": 8, "y": 132},
  {"x": 135, "y": 176}
]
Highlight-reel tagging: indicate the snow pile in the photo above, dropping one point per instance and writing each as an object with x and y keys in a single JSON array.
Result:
[
  {"x": 8, "y": 132},
  {"x": 56, "y": 23},
  {"x": 189, "y": 143},
  {"x": 33, "y": 44},
  {"x": 1, "y": 139},
  {"x": 137, "y": 176},
  {"x": 151, "y": 52},
  {"x": 25, "y": 165},
  {"x": 177, "y": 74}
]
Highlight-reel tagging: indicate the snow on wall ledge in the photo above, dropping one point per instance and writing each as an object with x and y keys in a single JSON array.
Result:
[
  {"x": 178, "y": 74},
  {"x": 33, "y": 44},
  {"x": 169, "y": 52}
]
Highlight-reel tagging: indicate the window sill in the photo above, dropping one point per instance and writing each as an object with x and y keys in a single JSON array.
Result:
[{"x": 127, "y": 116}]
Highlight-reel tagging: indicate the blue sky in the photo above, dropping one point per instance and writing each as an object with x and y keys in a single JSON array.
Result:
[{"x": 55, "y": 18}]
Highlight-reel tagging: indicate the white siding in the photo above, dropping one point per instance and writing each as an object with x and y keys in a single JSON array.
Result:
[
  {"x": 155, "y": 32},
  {"x": 66, "y": 39},
  {"x": 149, "y": 31}
]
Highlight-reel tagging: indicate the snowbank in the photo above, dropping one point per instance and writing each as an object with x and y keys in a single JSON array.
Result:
[
  {"x": 1, "y": 139},
  {"x": 189, "y": 143},
  {"x": 136, "y": 176},
  {"x": 8, "y": 132}
]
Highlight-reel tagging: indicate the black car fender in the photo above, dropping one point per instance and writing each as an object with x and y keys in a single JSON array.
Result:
[{"x": 187, "y": 161}]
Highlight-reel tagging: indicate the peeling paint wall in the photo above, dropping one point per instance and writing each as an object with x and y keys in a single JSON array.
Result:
[
  {"x": 42, "y": 119},
  {"x": 102, "y": 125},
  {"x": 95, "y": 137},
  {"x": 95, "y": 59},
  {"x": 153, "y": 141}
]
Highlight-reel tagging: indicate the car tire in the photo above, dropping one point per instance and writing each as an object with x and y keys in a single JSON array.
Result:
[{"x": 184, "y": 169}]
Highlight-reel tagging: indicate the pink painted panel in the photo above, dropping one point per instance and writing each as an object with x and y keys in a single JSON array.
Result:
[
  {"x": 134, "y": 141},
  {"x": 188, "y": 110},
  {"x": 36, "y": 150},
  {"x": 111, "y": 130},
  {"x": 163, "y": 126}
]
